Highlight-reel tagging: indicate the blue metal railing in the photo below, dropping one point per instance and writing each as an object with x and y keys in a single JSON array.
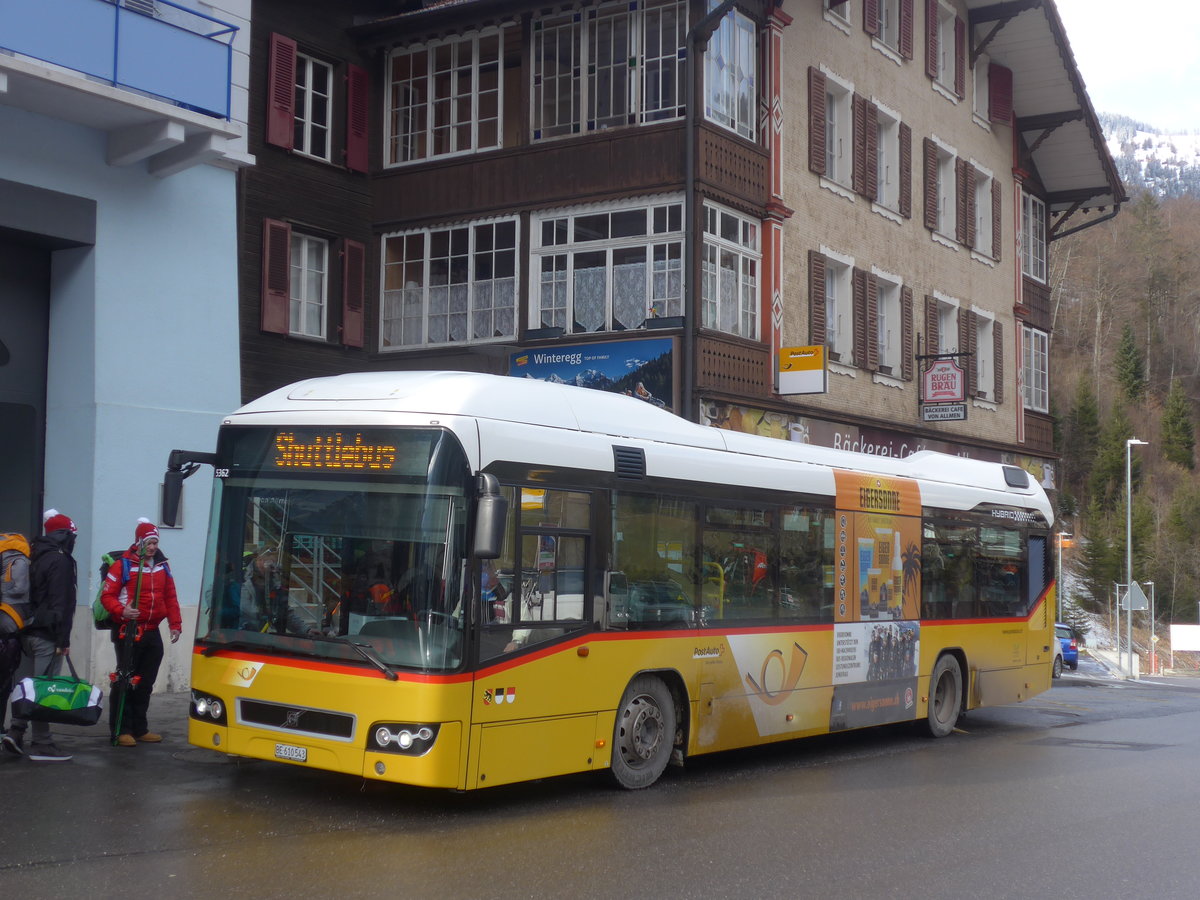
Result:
[{"x": 176, "y": 54}]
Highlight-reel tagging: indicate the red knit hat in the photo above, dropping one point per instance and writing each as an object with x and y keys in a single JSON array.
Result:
[
  {"x": 56, "y": 521},
  {"x": 145, "y": 531}
]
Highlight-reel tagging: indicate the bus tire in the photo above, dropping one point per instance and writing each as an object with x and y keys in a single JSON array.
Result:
[
  {"x": 643, "y": 734},
  {"x": 945, "y": 696}
]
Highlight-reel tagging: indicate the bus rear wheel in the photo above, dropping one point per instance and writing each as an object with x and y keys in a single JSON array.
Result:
[
  {"x": 643, "y": 734},
  {"x": 945, "y": 697}
]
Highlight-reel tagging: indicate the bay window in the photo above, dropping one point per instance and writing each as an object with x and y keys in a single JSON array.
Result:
[{"x": 607, "y": 268}]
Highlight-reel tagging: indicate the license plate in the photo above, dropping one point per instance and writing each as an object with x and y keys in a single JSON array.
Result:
[{"x": 295, "y": 754}]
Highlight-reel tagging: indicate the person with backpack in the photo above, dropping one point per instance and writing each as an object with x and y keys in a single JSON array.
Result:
[
  {"x": 139, "y": 592},
  {"x": 15, "y": 613},
  {"x": 47, "y": 639}
]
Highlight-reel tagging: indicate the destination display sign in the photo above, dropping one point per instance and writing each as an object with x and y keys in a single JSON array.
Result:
[{"x": 332, "y": 450}]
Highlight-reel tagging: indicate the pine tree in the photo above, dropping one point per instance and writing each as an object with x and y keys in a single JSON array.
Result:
[
  {"x": 1107, "y": 481},
  {"x": 1100, "y": 561},
  {"x": 1131, "y": 366},
  {"x": 1178, "y": 432},
  {"x": 1080, "y": 437}
]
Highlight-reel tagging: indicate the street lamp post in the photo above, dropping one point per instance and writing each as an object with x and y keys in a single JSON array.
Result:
[
  {"x": 1129, "y": 444},
  {"x": 1058, "y": 594}
]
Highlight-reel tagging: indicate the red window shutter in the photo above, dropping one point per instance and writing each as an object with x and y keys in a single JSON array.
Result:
[
  {"x": 905, "y": 171},
  {"x": 960, "y": 56},
  {"x": 931, "y": 38},
  {"x": 357, "y": 100},
  {"x": 931, "y": 191},
  {"x": 871, "y": 16},
  {"x": 858, "y": 180},
  {"x": 998, "y": 359},
  {"x": 281, "y": 92},
  {"x": 816, "y": 120},
  {"x": 997, "y": 242},
  {"x": 1000, "y": 94},
  {"x": 872, "y": 323},
  {"x": 906, "y": 333},
  {"x": 933, "y": 340},
  {"x": 354, "y": 264},
  {"x": 962, "y": 206},
  {"x": 816, "y": 298},
  {"x": 872, "y": 135},
  {"x": 859, "y": 309},
  {"x": 276, "y": 276},
  {"x": 906, "y": 29},
  {"x": 968, "y": 339},
  {"x": 971, "y": 180}
]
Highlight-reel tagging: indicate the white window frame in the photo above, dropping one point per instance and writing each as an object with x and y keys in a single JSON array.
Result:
[
  {"x": 732, "y": 250},
  {"x": 422, "y": 118},
  {"x": 837, "y": 11},
  {"x": 985, "y": 351},
  {"x": 980, "y": 90},
  {"x": 889, "y": 334},
  {"x": 947, "y": 190},
  {"x": 947, "y": 311},
  {"x": 417, "y": 296},
  {"x": 839, "y": 130},
  {"x": 947, "y": 58},
  {"x": 1033, "y": 237},
  {"x": 308, "y": 301},
  {"x": 731, "y": 75},
  {"x": 308, "y": 119},
  {"x": 983, "y": 211},
  {"x": 888, "y": 168},
  {"x": 839, "y": 307},
  {"x": 889, "y": 24},
  {"x": 559, "y": 242},
  {"x": 1035, "y": 369},
  {"x": 648, "y": 68}
]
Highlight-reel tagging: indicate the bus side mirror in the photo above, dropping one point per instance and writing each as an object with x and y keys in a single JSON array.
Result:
[
  {"x": 180, "y": 465},
  {"x": 172, "y": 492},
  {"x": 491, "y": 516}
]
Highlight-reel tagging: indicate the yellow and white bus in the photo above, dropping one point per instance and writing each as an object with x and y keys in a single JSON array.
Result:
[{"x": 459, "y": 580}]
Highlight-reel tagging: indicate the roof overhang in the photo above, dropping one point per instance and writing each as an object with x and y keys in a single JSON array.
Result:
[{"x": 1061, "y": 140}]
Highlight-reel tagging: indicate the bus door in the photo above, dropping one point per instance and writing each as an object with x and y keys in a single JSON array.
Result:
[{"x": 531, "y": 715}]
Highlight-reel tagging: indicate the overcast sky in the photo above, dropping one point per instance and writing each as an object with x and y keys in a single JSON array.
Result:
[{"x": 1139, "y": 60}]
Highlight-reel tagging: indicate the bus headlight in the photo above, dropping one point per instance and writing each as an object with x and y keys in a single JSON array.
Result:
[
  {"x": 405, "y": 738},
  {"x": 207, "y": 708}
]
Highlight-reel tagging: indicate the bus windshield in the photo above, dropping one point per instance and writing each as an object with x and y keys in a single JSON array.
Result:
[{"x": 315, "y": 552}]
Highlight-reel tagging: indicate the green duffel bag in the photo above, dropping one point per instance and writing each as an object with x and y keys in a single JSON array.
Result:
[{"x": 62, "y": 699}]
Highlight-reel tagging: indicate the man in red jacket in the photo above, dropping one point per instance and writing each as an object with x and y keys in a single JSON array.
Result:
[{"x": 139, "y": 593}]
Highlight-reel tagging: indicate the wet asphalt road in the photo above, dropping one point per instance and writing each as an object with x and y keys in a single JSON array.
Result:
[{"x": 1089, "y": 791}]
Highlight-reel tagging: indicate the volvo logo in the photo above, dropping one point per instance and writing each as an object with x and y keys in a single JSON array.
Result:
[{"x": 293, "y": 718}]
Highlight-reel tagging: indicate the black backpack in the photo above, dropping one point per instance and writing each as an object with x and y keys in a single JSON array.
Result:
[{"x": 16, "y": 606}]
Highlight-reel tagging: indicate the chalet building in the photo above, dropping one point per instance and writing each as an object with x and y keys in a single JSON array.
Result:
[
  {"x": 122, "y": 127},
  {"x": 764, "y": 216}
]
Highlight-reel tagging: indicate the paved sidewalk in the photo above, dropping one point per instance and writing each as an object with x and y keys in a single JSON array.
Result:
[{"x": 168, "y": 716}]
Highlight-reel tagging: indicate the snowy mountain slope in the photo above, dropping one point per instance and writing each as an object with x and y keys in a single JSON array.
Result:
[{"x": 1166, "y": 164}]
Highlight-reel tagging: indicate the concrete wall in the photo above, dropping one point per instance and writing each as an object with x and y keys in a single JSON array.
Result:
[
  {"x": 845, "y": 222},
  {"x": 143, "y": 352}
]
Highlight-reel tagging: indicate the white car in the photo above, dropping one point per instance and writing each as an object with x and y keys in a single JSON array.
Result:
[{"x": 1057, "y": 666}]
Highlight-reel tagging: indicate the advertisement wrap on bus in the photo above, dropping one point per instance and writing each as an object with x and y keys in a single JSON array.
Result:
[{"x": 458, "y": 580}]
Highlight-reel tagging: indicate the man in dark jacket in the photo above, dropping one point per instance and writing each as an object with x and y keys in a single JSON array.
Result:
[{"x": 52, "y": 579}]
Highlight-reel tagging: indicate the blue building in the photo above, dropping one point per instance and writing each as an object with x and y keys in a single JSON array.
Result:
[{"x": 122, "y": 127}]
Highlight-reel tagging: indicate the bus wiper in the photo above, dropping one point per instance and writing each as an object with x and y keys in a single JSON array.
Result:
[
  {"x": 230, "y": 645},
  {"x": 363, "y": 650}
]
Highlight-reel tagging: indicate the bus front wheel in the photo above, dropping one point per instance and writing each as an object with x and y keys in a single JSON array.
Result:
[
  {"x": 945, "y": 697},
  {"x": 644, "y": 733}
]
